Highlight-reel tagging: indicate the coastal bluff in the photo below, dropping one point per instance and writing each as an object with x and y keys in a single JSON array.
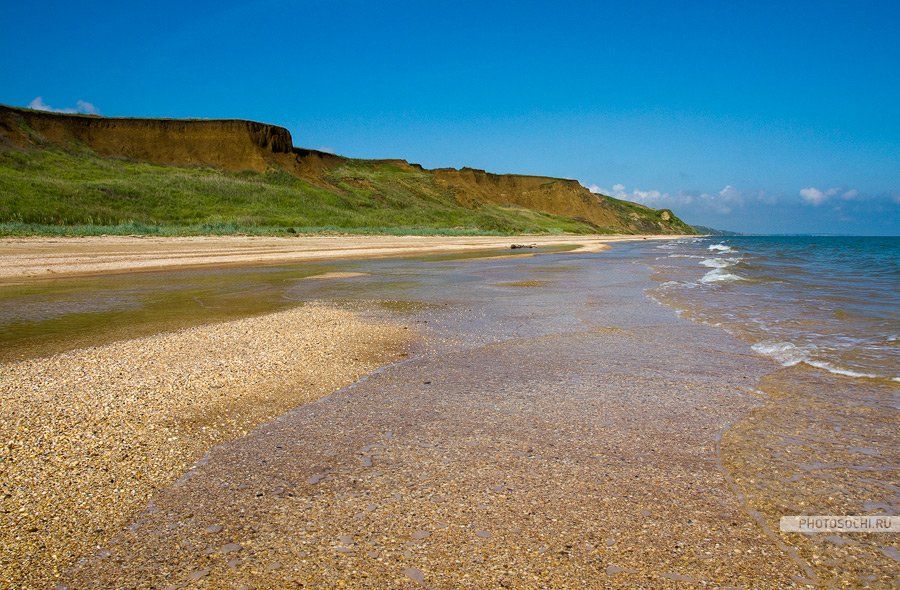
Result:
[
  {"x": 557, "y": 196},
  {"x": 358, "y": 193},
  {"x": 229, "y": 144}
]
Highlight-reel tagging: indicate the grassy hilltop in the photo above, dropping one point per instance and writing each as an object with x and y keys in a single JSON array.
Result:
[
  {"x": 56, "y": 192},
  {"x": 72, "y": 175}
]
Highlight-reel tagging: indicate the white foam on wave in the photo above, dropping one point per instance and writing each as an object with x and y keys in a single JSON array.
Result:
[
  {"x": 786, "y": 353},
  {"x": 789, "y": 354},
  {"x": 719, "y": 262},
  {"x": 718, "y": 275},
  {"x": 720, "y": 248},
  {"x": 680, "y": 284},
  {"x": 839, "y": 371}
]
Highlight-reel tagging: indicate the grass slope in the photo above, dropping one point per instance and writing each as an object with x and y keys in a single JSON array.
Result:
[{"x": 56, "y": 192}]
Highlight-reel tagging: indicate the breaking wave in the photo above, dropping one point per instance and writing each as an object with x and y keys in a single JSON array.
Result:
[
  {"x": 789, "y": 354},
  {"x": 719, "y": 262},
  {"x": 718, "y": 275}
]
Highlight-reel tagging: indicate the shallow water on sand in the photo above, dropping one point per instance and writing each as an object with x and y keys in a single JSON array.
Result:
[
  {"x": 551, "y": 431},
  {"x": 43, "y": 317},
  {"x": 827, "y": 440},
  {"x": 828, "y": 302},
  {"x": 556, "y": 428}
]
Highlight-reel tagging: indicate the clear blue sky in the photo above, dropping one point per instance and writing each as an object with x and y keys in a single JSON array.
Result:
[{"x": 754, "y": 116}]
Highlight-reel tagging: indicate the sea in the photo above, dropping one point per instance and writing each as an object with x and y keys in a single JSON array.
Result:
[
  {"x": 824, "y": 438},
  {"x": 826, "y": 302}
]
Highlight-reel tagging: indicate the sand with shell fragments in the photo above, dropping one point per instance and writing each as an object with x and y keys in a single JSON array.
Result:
[
  {"x": 87, "y": 436},
  {"x": 45, "y": 257}
]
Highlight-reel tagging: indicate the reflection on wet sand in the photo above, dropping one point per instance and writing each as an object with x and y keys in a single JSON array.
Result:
[
  {"x": 568, "y": 434},
  {"x": 823, "y": 444},
  {"x": 562, "y": 435}
]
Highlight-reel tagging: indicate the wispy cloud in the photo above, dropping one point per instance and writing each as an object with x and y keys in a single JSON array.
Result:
[
  {"x": 811, "y": 209},
  {"x": 730, "y": 198},
  {"x": 81, "y": 106},
  {"x": 813, "y": 196},
  {"x": 723, "y": 201}
]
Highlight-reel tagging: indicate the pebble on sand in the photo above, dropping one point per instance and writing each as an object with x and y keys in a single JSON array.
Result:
[{"x": 415, "y": 574}]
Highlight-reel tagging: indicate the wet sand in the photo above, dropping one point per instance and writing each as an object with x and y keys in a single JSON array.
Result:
[
  {"x": 562, "y": 435},
  {"x": 88, "y": 436},
  {"x": 22, "y": 258}
]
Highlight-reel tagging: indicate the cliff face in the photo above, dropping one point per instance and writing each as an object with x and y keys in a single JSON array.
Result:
[
  {"x": 237, "y": 145},
  {"x": 549, "y": 195},
  {"x": 227, "y": 144}
]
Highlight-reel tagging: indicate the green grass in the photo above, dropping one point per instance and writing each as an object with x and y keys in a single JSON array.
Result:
[{"x": 55, "y": 192}]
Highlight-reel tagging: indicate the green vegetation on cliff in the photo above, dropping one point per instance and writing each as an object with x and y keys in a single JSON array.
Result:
[
  {"x": 76, "y": 175},
  {"x": 55, "y": 192}
]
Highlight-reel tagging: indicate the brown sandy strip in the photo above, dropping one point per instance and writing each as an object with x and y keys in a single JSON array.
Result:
[
  {"x": 87, "y": 436},
  {"x": 338, "y": 275},
  {"x": 52, "y": 257}
]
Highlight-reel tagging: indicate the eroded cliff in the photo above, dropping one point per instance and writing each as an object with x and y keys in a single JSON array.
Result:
[
  {"x": 228, "y": 144},
  {"x": 238, "y": 145}
]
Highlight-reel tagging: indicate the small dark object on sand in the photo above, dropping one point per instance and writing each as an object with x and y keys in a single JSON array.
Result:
[{"x": 517, "y": 246}]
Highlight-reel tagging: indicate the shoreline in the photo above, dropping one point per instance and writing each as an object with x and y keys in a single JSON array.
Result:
[
  {"x": 91, "y": 434},
  {"x": 29, "y": 258},
  {"x": 527, "y": 435},
  {"x": 545, "y": 434}
]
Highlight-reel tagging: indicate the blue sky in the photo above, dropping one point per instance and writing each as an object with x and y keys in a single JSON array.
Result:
[{"x": 754, "y": 116}]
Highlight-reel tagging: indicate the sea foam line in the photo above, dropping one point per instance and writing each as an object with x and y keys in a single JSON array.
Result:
[
  {"x": 719, "y": 262},
  {"x": 789, "y": 354},
  {"x": 718, "y": 275}
]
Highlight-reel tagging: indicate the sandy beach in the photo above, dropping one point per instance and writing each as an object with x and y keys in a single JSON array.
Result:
[
  {"x": 535, "y": 421},
  {"x": 55, "y": 257},
  {"x": 89, "y": 436},
  {"x": 554, "y": 428}
]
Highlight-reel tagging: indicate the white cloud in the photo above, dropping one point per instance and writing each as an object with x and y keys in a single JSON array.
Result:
[
  {"x": 648, "y": 196},
  {"x": 730, "y": 193},
  {"x": 81, "y": 106},
  {"x": 813, "y": 196},
  {"x": 850, "y": 194},
  {"x": 722, "y": 202},
  {"x": 86, "y": 107}
]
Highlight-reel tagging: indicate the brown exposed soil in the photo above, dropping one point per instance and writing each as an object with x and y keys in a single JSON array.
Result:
[
  {"x": 557, "y": 196},
  {"x": 228, "y": 144},
  {"x": 238, "y": 145}
]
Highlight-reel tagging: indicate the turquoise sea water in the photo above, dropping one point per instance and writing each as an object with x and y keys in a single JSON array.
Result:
[{"x": 828, "y": 302}]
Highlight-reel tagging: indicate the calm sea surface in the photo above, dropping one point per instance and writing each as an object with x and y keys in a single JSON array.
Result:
[{"x": 826, "y": 302}]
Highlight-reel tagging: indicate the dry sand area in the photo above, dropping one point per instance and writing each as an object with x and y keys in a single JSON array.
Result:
[
  {"x": 53, "y": 257},
  {"x": 87, "y": 436}
]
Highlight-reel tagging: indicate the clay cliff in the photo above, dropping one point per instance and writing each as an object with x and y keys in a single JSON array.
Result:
[
  {"x": 228, "y": 144},
  {"x": 238, "y": 145}
]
